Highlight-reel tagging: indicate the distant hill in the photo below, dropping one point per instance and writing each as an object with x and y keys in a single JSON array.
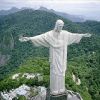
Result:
[
  {"x": 12, "y": 10},
  {"x": 6, "y": 12},
  {"x": 73, "y": 18}
]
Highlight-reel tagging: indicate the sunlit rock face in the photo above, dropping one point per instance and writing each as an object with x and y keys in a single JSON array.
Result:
[
  {"x": 4, "y": 59},
  {"x": 76, "y": 79}
]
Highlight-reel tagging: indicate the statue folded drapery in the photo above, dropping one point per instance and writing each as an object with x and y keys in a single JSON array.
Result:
[{"x": 57, "y": 40}]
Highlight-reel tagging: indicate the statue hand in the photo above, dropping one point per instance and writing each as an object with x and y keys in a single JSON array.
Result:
[
  {"x": 24, "y": 39},
  {"x": 87, "y": 35}
]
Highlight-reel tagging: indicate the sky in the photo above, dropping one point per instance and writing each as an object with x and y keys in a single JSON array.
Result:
[{"x": 89, "y": 9}]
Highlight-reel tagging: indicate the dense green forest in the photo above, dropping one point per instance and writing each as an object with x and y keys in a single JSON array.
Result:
[{"x": 83, "y": 58}]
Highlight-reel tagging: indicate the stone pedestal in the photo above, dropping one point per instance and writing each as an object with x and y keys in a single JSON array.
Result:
[
  {"x": 59, "y": 97},
  {"x": 62, "y": 96}
]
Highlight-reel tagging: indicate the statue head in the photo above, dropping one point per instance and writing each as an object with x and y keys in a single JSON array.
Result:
[{"x": 59, "y": 25}]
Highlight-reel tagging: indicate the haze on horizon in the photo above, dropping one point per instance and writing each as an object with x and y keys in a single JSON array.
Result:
[{"x": 89, "y": 9}]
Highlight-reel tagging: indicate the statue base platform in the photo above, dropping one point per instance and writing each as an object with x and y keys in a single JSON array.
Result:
[
  {"x": 62, "y": 96},
  {"x": 68, "y": 95},
  {"x": 59, "y": 97}
]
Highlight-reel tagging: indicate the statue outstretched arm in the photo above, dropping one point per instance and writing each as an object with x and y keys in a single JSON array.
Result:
[
  {"x": 38, "y": 40},
  {"x": 87, "y": 35},
  {"x": 24, "y": 39},
  {"x": 75, "y": 37}
]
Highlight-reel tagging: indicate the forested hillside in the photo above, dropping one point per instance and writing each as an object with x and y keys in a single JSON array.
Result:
[{"x": 83, "y": 58}]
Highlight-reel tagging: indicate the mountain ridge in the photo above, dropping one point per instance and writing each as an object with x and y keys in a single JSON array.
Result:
[
  {"x": 83, "y": 58},
  {"x": 73, "y": 18}
]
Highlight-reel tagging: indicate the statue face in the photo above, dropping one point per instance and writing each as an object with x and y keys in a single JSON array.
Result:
[{"x": 58, "y": 26}]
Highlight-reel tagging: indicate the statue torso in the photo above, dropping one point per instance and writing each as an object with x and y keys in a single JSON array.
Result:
[{"x": 58, "y": 55}]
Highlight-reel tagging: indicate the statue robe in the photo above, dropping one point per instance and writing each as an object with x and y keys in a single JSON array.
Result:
[{"x": 58, "y": 55}]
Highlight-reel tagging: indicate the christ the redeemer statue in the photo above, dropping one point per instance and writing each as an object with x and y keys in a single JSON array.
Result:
[{"x": 57, "y": 40}]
